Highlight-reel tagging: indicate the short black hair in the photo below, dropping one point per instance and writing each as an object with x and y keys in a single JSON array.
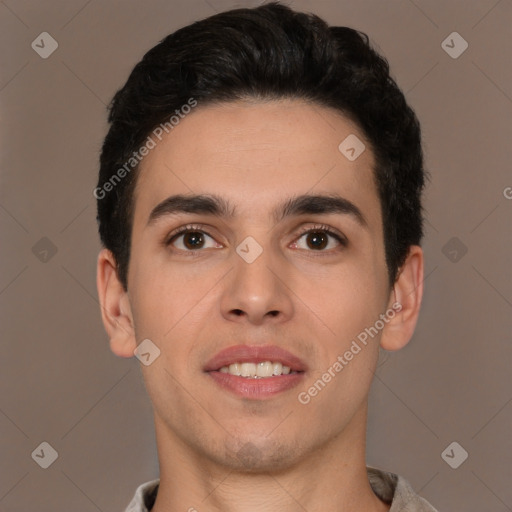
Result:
[{"x": 268, "y": 52}]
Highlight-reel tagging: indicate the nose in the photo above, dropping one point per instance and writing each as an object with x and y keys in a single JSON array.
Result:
[{"x": 257, "y": 292}]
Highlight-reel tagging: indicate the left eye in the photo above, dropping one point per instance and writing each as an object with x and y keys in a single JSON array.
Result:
[{"x": 317, "y": 239}]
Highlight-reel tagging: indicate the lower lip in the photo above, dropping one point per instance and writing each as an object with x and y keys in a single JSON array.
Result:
[{"x": 256, "y": 389}]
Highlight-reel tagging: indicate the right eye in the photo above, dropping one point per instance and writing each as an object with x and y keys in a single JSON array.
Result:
[{"x": 191, "y": 238}]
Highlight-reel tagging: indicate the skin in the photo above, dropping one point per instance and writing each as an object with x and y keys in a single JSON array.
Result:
[{"x": 312, "y": 302}]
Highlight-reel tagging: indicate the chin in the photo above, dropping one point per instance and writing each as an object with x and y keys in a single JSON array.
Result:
[{"x": 259, "y": 456}]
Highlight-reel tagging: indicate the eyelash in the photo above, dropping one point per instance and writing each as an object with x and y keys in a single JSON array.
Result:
[{"x": 193, "y": 228}]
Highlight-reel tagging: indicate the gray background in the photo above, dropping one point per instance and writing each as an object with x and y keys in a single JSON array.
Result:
[{"x": 60, "y": 382}]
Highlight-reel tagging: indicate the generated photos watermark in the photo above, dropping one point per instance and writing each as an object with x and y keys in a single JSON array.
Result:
[
  {"x": 150, "y": 143},
  {"x": 355, "y": 348}
]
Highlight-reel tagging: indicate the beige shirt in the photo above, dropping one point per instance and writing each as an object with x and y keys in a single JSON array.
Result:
[{"x": 389, "y": 487}]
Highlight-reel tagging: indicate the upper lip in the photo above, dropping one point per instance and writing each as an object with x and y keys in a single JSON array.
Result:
[{"x": 254, "y": 354}]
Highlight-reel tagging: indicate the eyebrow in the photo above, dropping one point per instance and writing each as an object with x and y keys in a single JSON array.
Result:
[{"x": 294, "y": 206}]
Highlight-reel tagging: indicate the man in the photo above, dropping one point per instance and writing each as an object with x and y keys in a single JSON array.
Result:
[{"x": 259, "y": 204}]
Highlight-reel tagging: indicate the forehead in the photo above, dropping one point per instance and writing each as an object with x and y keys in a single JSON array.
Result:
[{"x": 254, "y": 153}]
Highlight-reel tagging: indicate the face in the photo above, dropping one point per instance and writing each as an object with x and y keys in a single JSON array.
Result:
[{"x": 282, "y": 263}]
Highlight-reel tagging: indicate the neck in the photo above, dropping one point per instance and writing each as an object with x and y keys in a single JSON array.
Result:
[{"x": 331, "y": 477}]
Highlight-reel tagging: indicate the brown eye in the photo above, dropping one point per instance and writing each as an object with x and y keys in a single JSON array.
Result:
[
  {"x": 317, "y": 240},
  {"x": 193, "y": 240}
]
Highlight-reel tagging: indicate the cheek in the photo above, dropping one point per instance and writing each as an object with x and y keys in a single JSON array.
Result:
[
  {"x": 347, "y": 302},
  {"x": 346, "y": 297},
  {"x": 168, "y": 297},
  {"x": 165, "y": 302}
]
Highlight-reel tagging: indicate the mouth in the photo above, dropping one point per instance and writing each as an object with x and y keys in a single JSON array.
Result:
[
  {"x": 255, "y": 372},
  {"x": 259, "y": 370}
]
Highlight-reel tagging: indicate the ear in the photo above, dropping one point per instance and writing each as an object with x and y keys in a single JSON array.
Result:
[
  {"x": 115, "y": 306},
  {"x": 405, "y": 300}
]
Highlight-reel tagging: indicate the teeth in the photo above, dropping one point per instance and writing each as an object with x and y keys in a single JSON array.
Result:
[
  {"x": 256, "y": 370},
  {"x": 264, "y": 369},
  {"x": 234, "y": 369},
  {"x": 248, "y": 370}
]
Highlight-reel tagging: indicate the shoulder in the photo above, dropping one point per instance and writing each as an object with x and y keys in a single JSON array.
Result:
[
  {"x": 397, "y": 491},
  {"x": 144, "y": 497}
]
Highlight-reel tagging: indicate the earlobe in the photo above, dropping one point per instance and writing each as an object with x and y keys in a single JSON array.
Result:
[
  {"x": 406, "y": 297},
  {"x": 115, "y": 306}
]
